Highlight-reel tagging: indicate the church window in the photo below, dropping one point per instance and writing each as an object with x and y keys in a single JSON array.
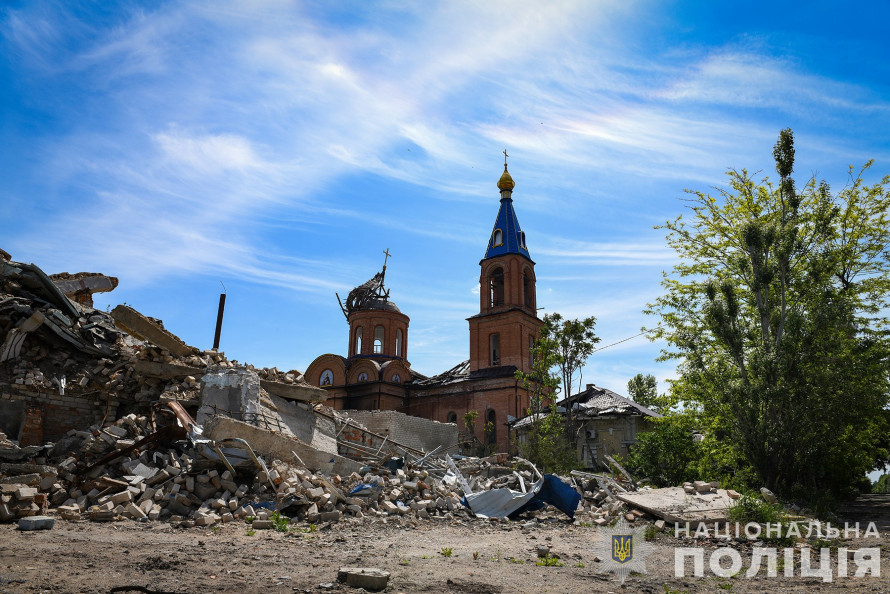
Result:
[
  {"x": 327, "y": 378},
  {"x": 358, "y": 341},
  {"x": 399, "y": 342},
  {"x": 494, "y": 349},
  {"x": 522, "y": 240},
  {"x": 452, "y": 417},
  {"x": 496, "y": 287},
  {"x": 490, "y": 426},
  {"x": 378, "y": 340},
  {"x": 363, "y": 377},
  {"x": 527, "y": 290},
  {"x": 396, "y": 378},
  {"x": 497, "y": 238}
]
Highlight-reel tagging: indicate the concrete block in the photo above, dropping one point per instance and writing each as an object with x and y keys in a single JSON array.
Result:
[
  {"x": 122, "y": 497},
  {"x": 37, "y": 523},
  {"x": 369, "y": 578},
  {"x": 134, "y": 511},
  {"x": 702, "y": 486},
  {"x": 261, "y": 524},
  {"x": 25, "y": 493}
]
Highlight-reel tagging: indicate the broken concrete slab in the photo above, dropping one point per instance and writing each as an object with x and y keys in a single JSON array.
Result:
[
  {"x": 164, "y": 370},
  {"x": 280, "y": 446},
  {"x": 302, "y": 392},
  {"x": 676, "y": 505},
  {"x": 136, "y": 324}
]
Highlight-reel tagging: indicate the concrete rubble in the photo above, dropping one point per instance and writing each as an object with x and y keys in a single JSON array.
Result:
[{"x": 95, "y": 407}]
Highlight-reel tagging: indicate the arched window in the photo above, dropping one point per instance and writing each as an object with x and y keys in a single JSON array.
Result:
[
  {"x": 358, "y": 341},
  {"x": 396, "y": 378},
  {"x": 494, "y": 349},
  {"x": 363, "y": 377},
  {"x": 490, "y": 427},
  {"x": 399, "y": 342},
  {"x": 327, "y": 378},
  {"x": 452, "y": 417},
  {"x": 378, "y": 340},
  {"x": 522, "y": 239},
  {"x": 496, "y": 287},
  {"x": 527, "y": 291},
  {"x": 497, "y": 238}
]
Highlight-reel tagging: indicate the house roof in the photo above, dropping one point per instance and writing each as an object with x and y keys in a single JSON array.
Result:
[{"x": 595, "y": 402}]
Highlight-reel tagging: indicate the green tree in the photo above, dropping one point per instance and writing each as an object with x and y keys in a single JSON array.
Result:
[
  {"x": 544, "y": 440},
  {"x": 667, "y": 455},
  {"x": 571, "y": 342},
  {"x": 643, "y": 389},
  {"x": 776, "y": 312}
]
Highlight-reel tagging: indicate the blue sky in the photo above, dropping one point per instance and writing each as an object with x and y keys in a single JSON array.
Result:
[{"x": 279, "y": 147}]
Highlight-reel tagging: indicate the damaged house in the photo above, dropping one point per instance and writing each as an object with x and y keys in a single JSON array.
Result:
[{"x": 606, "y": 423}]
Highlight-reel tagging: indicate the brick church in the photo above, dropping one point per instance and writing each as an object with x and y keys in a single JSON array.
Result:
[{"x": 376, "y": 375}]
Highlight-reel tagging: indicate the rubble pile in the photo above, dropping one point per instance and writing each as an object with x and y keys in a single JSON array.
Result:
[
  {"x": 98, "y": 479},
  {"x": 132, "y": 460},
  {"x": 55, "y": 343}
]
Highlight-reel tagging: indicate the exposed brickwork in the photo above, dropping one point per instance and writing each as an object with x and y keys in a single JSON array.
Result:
[{"x": 48, "y": 416}]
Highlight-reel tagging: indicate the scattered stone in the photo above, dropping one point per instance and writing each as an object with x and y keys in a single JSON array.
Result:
[{"x": 369, "y": 578}]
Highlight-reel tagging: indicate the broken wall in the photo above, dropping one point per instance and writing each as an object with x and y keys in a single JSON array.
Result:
[
  {"x": 234, "y": 392},
  {"x": 415, "y": 432},
  {"x": 283, "y": 447},
  {"x": 37, "y": 417}
]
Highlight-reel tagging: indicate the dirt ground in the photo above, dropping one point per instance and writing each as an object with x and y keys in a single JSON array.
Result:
[{"x": 485, "y": 556}]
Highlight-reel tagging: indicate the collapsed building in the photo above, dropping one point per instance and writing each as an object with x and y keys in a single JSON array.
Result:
[{"x": 109, "y": 415}]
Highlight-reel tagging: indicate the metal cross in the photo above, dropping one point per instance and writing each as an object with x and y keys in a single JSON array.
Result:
[
  {"x": 388, "y": 255},
  {"x": 505, "y": 157}
]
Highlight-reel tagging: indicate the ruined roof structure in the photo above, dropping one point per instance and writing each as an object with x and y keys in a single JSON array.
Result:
[{"x": 371, "y": 294}]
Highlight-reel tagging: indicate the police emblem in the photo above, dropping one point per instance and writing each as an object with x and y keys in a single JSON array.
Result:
[{"x": 623, "y": 548}]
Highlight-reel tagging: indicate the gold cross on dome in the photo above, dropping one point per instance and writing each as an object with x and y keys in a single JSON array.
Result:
[{"x": 505, "y": 157}]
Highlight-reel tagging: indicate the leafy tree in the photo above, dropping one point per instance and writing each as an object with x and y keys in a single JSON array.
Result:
[
  {"x": 776, "y": 312},
  {"x": 544, "y": 441},
  {"x": 571, "y": 342},
  {"x": 643, "y": 389},
  {"x": 667, "y": 455}
]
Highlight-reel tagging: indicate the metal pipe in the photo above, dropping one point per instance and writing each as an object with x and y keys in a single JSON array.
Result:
[{"x": 219, "y": 319}]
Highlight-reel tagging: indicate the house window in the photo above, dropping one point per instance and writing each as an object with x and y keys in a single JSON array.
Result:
[
  {"x": 494, "y": 349},
  {"x": 327, "y": 378},
  {"x": 452, "y": 417},
  {"x": 399, "y": 342},
  {"x": 496, "y": 287},
  {"x": 378, "y": 340},
  {"x": 497, "y": 238},
  {"x": 490, "y": 427},
  {"x": 358, "y": 341},
  {"x": 396, "y": 378},
  {"x": 363, "y": 377}
]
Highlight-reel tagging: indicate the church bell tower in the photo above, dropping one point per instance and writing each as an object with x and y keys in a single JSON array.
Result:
[{"x": 504, "y": 330}]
